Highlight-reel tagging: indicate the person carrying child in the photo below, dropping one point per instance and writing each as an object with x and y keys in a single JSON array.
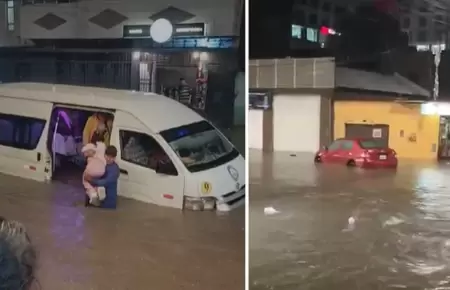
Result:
[{"x": 95, "y": 168}]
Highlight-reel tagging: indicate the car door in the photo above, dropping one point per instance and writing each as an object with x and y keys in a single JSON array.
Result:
[
  {"x": 331, "y": 155},
  {"x": 345, "y": 151}
]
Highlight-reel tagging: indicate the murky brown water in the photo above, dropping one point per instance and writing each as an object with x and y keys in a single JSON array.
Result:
[
  {"x": 137, "y": 247},
  {"x": 400, "y": 238}
]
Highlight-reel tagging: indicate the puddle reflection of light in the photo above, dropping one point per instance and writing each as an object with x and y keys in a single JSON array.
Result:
[
  {"x": 432, "y": 192},
  {"x": 286, "y": 173},
  {"x": 68, "y": 234},
  {"x": 431, "y": 180},
  {"x": 68, "y": 228}
]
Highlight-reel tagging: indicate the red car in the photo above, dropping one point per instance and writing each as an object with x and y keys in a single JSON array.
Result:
[{"x": 358, "y": 152}]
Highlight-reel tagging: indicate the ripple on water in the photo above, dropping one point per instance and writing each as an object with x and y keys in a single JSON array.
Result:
[{"x": 399, "y": 240}]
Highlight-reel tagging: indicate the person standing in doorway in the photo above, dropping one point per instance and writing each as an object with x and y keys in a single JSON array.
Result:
[
  {"x": 184, "y": 92},
  {"x": 94, "y": 129}
]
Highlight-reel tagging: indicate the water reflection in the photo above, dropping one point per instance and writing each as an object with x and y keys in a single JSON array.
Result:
[
  {"x": 399, "y": 237},
  {"x": 137, "y": 246}
]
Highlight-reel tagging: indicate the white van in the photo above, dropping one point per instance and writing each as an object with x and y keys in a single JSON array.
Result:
[{"x": 38, "y": 121}]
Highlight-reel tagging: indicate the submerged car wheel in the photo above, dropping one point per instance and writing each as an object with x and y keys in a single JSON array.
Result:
[
  {"x": 317, "y": 159},
  {"x": 351, "y": 163}
]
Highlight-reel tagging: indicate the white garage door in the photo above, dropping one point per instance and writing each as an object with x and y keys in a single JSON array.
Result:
[
  {"x": 255, "y": 129},
  {"x": 296, "y": 123}
]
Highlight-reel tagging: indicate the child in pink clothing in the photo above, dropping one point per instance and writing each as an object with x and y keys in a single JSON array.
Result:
[{"x": 95, "y": 168}]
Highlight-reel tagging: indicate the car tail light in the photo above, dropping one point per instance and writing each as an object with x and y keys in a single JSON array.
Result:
[{"x": 365, "y": 154}]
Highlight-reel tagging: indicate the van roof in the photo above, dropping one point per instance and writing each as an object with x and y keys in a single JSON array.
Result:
[{"x": 156, "y": 111}]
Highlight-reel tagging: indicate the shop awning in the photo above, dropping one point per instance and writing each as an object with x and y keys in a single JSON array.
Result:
[{"x": 391, "y": 86}]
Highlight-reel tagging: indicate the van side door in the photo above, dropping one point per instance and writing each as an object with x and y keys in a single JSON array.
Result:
[{"x": 140, "y": 153}]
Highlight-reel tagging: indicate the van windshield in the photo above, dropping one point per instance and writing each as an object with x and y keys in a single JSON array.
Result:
[{"x": 200, "y": 146}]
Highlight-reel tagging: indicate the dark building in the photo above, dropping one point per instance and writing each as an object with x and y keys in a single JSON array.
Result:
[
  {"x": 270, "y": 28},
  {"x": 241, "y": 50},
  {"x": 293, "y": 28}
]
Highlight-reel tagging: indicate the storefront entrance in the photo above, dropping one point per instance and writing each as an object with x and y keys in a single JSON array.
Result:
[{"x": 444, "y": 138}]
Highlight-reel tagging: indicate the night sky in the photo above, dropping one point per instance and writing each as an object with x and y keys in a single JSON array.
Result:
[{"x": 269, "y": 28}]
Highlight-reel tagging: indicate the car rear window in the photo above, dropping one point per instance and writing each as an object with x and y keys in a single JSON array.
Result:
[{"x": 371, "y": 144}]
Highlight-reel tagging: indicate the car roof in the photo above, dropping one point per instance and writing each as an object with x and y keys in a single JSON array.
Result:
[{"x": 356, "y": 139}]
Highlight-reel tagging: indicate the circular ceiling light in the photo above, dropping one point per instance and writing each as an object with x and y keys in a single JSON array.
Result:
[{"x": 161, "y": 30}]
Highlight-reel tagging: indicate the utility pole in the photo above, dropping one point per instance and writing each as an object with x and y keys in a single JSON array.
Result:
[{"x": 437, "y": 51}]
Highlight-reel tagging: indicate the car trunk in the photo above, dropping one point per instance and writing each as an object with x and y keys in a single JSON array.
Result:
[{"x": 379, "y": 154}]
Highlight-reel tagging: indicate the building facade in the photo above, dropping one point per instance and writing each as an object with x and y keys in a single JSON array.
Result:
[
  {"x": 77, "y": 19},
  {"x": 313, "y": 21},
  {"x": 113, "y": 44},
  {"x": 338, "y": 102},
  {"x": 9, "y": 26},
  {"x": 387, "y": 108},
  {"x": 402, "y": 126},
  {"x": 316, "y": 13},
  {"x": 425, "y": 22},
  {"x": 286, "y": 94}
]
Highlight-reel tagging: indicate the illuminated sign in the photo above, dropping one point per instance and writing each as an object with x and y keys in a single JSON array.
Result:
[
  {"x": 191, "y": 29},
  {"x": 179, "y": 30},
  {"x": 438, "y": 109},
  {"x": 136, "y": 31},
  {"x": 432, "y": 47},
  {"x": 200, "y": 42}
]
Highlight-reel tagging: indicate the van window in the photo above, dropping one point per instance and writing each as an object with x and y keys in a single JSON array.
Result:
[
  {"x": 20, "y": 132},
  {"x": 141, "y": 149},
  {"x": 200, "y": 146}
]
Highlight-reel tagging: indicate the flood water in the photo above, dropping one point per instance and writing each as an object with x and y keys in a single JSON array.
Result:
[
  {"x": 138, "y": 247},
  {"x": 341, "y": 228}
]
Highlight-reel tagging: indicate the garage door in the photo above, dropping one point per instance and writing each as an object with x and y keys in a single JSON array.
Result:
[
  {"x": 377, "y": 131},
  {"x": 296, "y": 123},
  {"x": 255, "y": 131}
]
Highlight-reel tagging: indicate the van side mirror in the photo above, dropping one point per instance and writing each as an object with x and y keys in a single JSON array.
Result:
[
  {"x": 325, "y": 148},
  {"x": 166, "y": 169}
]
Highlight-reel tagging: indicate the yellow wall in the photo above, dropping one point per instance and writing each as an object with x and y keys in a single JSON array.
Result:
[{"x": 399, "y": 116}]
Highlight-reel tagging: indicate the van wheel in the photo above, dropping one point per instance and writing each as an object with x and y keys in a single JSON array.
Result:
[
  {"x": 317, "y": 159},
  {"x": 351, "y": 163}
]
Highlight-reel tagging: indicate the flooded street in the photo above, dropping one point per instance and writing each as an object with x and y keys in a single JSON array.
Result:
[
  {"x": 341, "y": 228},
  {"x": 139, "y": 246}
]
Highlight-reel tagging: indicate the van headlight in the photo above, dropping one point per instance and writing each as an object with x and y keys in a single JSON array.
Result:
[{"x": 200, "y": 203}]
